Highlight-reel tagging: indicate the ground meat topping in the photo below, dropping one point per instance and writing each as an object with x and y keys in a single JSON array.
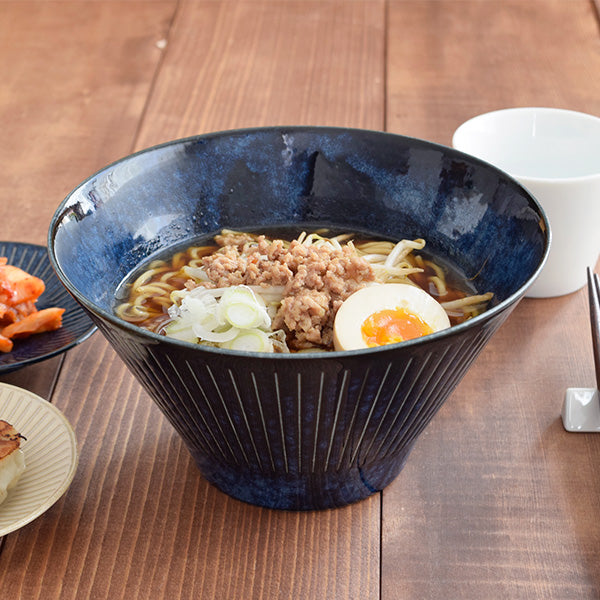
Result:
[{"x": 316, "y": 279}]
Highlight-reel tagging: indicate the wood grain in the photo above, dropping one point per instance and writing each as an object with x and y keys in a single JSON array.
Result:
[
  {"x": 449, "y": 61},
  {"x": 39, "y": 378},
  {"x": 300, "y": 63},
  {"x": 497, "y": 499},
  {"x": 74, "y": 84},
  {"x": 139, "y": 521}
]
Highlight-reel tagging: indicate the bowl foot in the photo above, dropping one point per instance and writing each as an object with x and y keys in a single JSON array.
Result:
[{"x": 300, "y": 491}]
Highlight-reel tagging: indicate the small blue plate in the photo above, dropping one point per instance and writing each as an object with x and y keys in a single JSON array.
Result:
[{"x": 76, "y": 327}]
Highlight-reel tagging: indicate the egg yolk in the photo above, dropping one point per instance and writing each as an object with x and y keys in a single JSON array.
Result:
[{"x": 390, "y": 326}]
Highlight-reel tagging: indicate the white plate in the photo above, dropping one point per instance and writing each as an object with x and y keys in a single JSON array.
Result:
[{"x": 50, "y": 456}]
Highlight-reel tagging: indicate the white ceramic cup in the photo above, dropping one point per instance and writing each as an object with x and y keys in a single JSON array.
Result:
[{"x": 555, "y": 154}]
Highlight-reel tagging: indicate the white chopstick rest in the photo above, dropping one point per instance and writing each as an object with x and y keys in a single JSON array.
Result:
[{"x": 581, "y": 410}]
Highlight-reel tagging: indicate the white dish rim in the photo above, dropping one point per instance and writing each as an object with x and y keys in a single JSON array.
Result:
[{"x": 62, "y": 479}]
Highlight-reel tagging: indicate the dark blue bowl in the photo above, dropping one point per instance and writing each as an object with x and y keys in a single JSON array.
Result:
[{"x": 302, "y": 431}]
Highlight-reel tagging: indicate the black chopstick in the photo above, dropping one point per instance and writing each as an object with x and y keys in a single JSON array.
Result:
[{"x": 594, "y": 297}]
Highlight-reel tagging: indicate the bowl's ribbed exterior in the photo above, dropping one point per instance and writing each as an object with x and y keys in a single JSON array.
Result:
[
  {"x": 297, "y": 434},
  {"x": 313, "y": 431}
]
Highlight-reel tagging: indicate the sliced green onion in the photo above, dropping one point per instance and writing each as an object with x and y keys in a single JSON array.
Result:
[
  {"x": 221, "y": 316},
  {"x": 242, "y": 315},
  {"x": 214, "y": 336},
  {"x": 250, "y": 340},
  {"x": 181, "y": 329},
  {"x": 203, "y": 310},
  {"x": 242, "y": 308}
]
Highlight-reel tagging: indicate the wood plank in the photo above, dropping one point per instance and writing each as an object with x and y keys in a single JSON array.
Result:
[
  {"x": 62, "y": 116},
  {"x": 300, "y": 63},
  {"x": 139, "y": 521},
  {"x": 74, "y": 83},
  {"x": 497, "y": 500},
  {"x": 449, "y": 61},
  {"x": 39, "y": 378}
]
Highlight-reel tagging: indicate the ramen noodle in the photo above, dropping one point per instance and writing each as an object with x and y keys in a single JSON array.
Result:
[{"x": 257, "y": 293}]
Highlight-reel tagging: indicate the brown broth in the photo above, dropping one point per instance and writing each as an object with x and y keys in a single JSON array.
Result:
[{"x": 457, "y": 286}]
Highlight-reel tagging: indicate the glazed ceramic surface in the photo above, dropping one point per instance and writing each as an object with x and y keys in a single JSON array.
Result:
[
  {"x": 76, "y": 327},
  {"x": 300, "y": 431},
  {"x": 50, "y": 452},
  {"x": 555, "y": 154}
]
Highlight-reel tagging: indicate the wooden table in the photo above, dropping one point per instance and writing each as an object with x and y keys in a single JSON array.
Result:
[{"x": 497, "y": 500}]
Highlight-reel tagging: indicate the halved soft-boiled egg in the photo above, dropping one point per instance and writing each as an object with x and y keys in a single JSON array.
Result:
[{"x": 386, "y": 313}]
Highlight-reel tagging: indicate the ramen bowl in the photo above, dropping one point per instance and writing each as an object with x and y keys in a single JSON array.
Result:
[{"x": 301, "y": 430}]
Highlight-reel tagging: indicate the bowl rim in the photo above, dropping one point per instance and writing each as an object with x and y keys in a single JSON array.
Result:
[
  {"x": 468, "y": 127},
  {"x": 155, "y": 338}
]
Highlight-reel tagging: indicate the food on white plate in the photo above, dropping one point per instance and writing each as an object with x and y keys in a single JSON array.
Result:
[
  {"x": 12, "y": 459},
  {"x": 386, "y": 313}
]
